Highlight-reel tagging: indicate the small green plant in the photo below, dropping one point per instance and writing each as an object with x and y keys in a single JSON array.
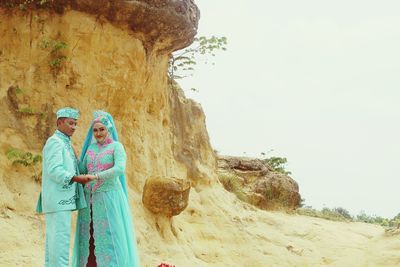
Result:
[
  {"x": 28, "y": 111},
  {"x": 25, "y": 4},
  {"x": 56, "y": 52},
  {"x": 181, "y": 63},
  {"x": 278, "y": 164},
  {"x": 55, "y": 45},
  {"x": 58, "y": 45},
  {"x": 26, "y": 159},
  {"x": 18, "y": 90},
  {"x": 57, "y": 61},
  {"x": 44, "y": 44}
]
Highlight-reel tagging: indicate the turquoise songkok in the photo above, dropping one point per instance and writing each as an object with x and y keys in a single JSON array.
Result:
[{"x": 68, "y": 112}]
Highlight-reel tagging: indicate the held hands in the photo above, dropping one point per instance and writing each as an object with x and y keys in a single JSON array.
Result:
[{"x": 84, "y": 178}]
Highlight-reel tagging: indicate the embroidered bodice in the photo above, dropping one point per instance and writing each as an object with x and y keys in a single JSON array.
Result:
[{"x": 108, "y": 161}]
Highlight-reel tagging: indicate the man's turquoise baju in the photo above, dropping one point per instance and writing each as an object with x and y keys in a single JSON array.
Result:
[{"x": 59, "y": 196}]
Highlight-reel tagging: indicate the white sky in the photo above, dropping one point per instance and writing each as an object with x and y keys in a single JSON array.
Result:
[{"x": 316, "y": 81}]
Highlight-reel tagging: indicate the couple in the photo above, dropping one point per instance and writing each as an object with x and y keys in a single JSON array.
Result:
[{"x": 95, "y": 186}]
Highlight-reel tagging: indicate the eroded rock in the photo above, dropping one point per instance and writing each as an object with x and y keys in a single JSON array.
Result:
[
  {"x": 166, "y": 196},
  {"x": 256, "y": 183},
  {"x": 166, "y": 25}
]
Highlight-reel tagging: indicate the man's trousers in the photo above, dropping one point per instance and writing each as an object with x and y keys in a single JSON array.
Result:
[{"x": 58, "y": 232}]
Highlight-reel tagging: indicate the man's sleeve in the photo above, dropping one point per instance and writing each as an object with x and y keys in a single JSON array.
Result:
[{"x": 54, "y": 163}]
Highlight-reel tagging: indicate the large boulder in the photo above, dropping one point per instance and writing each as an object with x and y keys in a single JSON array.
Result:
[
  {"x": 166, "y": 196},
  {"x": 255, "y": 182}
]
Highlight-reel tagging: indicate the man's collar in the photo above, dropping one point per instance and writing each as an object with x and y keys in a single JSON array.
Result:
[{"x": 63, "y": 135}]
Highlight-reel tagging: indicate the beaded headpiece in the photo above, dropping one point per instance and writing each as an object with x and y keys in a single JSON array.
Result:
[{"x": 102, "y": 117}]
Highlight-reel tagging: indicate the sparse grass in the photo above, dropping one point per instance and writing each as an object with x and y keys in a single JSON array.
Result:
[
  {"x": 325, "y": 213},
  {"x": 234, "y": 185},
  {"x": 57, "y": 61},
  {"x": 19, "y": 97},
  {"x": 27, "y": 110},
  {"x": 341, "y": 214},
  {"x": 24, "y": 5}
]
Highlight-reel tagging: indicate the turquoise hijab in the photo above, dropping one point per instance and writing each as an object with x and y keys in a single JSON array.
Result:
[{"x": 106, "y": 119}]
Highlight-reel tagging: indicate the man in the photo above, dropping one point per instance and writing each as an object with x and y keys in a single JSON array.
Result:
[{"x": 62, "y": 190}]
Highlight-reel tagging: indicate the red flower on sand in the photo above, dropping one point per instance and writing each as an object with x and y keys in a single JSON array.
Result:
[{"x": 165, "y": 265}]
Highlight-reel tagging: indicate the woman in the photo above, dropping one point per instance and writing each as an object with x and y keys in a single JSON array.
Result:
[{"x": 104, "y": 230}]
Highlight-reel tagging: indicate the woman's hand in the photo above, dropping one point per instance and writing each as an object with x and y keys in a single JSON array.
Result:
[
  {"x": 83, "y": 179},
  {"x": 91, "y": 176}
]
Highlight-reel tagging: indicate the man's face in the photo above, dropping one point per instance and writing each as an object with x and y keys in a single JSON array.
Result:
[{"x": 66, "y": 126}]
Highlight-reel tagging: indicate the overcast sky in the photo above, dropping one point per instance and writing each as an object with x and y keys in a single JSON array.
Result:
[{"x": 317, "y": 82}]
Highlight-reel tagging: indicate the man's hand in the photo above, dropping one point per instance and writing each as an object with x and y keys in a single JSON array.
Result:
[{"x": 83, "y": 179}]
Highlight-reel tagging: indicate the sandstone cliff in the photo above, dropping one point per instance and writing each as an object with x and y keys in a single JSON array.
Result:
[{"x": 113, "y": 55}]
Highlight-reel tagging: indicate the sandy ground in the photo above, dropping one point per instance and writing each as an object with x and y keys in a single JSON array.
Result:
[{"x": 229, "y": 233}]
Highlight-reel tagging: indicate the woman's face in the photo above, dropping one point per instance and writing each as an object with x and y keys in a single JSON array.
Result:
[{"x": 100, "y": 132}]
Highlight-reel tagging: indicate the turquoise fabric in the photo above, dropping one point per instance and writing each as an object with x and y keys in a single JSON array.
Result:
[
  {"x": 58, "y": 228},
  {"x": 108, "y": 121},
  {"x": 114, "y": 237},
  {"x": 67, "y": 112},
  {"x": 58, "y": 167}
]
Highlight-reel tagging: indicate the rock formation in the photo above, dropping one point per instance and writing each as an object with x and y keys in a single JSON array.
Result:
[
  {"x": 166, "y": 25},
  {"x": 256, "y": 183},
  {"x": 166, "y": 196}
]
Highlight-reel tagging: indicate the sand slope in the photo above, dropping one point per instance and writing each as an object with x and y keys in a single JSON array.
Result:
[{"x": 218, "y": 230}]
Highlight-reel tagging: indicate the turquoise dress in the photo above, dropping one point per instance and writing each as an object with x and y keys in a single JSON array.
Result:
[{"x": 108, "y": 209}]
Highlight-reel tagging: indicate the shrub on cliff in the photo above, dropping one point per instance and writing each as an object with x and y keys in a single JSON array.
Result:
[
  {"x": 27, "y": 159},
  {"x": 277, "y": 164},
  {"x": 181, "y": 63}
]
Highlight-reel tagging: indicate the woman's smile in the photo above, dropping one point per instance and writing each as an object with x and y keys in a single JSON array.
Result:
[{"x": 100, "y": 132}]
